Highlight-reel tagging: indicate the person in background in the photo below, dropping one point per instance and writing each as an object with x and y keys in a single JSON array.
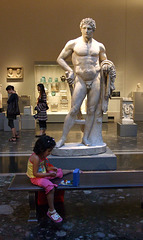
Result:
[
  {"x": 12, "y": 111},
  {"x": 41, "y": 108}
]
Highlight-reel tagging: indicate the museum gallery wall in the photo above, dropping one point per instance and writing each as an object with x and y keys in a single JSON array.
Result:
[{"x": 36, "y": 31}]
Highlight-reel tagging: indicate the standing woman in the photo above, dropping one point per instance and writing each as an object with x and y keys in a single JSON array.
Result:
[
  {"x": 12, "y": 111},
  {"x": 41, "y": 109}
]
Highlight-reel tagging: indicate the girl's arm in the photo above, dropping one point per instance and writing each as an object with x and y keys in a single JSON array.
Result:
[
  {"x": 35, "y": 161},
  {"x": 52, "y": 169}
]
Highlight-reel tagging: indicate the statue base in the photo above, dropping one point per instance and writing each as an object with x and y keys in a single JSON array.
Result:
[
  {"x": 78, "y": 149},
  {"x": 127, "y": 130},
  {"x": 127, "y": 121},
  {"x": 100, "y": 162}
]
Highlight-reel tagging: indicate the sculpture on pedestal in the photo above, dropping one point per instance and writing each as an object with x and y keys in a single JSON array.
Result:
[
  {"x": 127, "y": 111},
  {"x": 138, "y": 88},
  {"x": 93, "y": 75}
]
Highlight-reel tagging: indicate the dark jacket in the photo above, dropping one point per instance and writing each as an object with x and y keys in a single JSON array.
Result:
[{"x": 13, "y": 108}]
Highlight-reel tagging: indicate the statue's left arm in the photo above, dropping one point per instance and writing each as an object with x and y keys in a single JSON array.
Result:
[
  {"x": 102, "y": 53},
  {"x": 108, "y": 74}
]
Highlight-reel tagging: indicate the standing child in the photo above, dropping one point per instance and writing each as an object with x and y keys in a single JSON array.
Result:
[
  {"x": 40, "y": 174},
  {"x": 42, "y": 108}
]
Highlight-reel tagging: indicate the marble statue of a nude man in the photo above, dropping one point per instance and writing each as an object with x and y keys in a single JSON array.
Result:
[{"x": 87, "y": 55}]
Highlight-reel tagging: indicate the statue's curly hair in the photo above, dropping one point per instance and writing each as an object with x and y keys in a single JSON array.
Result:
[{"x": 89, "y": 21}]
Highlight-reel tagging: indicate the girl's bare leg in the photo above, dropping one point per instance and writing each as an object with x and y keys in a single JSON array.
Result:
[{"x": 50, "y": 198}]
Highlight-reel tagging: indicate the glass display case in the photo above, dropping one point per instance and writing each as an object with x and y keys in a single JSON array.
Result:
[
  {"x": 58, "y": 93},
  {"x": 56, "y": 86}
]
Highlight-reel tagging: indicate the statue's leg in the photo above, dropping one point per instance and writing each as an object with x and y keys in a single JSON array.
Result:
[
  {"x": 95, "y": 136},
  {"x": 77, "y": 99},
  {"x": 92, "y": 103}
]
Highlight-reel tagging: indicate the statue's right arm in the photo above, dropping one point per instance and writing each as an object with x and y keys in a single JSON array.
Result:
[{"x": 65, "y": 53}]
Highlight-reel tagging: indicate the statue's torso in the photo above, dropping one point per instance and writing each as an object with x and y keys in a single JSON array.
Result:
[{"x": 85, "y": 59}]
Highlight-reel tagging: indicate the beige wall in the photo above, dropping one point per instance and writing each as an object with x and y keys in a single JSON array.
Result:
[{"x": 33, "y": 30}]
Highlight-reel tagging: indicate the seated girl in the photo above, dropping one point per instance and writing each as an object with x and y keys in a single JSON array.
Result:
[{"x": 40, "y": 173}]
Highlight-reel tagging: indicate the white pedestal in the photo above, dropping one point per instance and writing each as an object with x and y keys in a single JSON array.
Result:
[
  {"x": 28, "y": 110},
  {"x": 28, "y": 122},
  {"x": 99, "y": 162},
  {"x": 138, "y": 106},
  {"x": 114, "y": 108},
  {"x": 60, "y": 116},
  {"x": 17, "y": 124},
  {"x": 105, "y": 118}
]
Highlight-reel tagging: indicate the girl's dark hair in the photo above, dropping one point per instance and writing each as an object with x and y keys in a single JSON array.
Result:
[
  {"x": 44, "y": 143},
  {"x": 42, "y": 89}
]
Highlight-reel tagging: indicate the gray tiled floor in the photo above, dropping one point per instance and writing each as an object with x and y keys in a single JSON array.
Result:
[
  {"x": 116, "y": 143},
  {"x": 129, "y": 150},
  {"x": 88, "y": 215}
]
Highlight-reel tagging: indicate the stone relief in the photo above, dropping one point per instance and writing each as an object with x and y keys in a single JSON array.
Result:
[
  {"x": 127, "y": 111},
  {"x": 14, "y": 73}
]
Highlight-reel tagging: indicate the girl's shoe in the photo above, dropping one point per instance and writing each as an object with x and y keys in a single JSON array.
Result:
[{"x": 54, "y": 216}]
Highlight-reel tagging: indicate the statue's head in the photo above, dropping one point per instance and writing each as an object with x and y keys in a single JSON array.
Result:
[{"x": 88, "y": 21}]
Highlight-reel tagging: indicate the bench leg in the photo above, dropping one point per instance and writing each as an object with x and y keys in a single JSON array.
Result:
[{"x": 32, "y": 204}]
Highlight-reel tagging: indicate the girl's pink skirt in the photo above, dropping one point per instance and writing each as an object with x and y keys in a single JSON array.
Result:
[{"x": 45, "y": 182}]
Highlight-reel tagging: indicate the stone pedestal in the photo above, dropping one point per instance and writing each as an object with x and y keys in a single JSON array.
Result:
[
  {"x": 78, "y": 149},
  {"x": 28, "y": 110},
  {"x": 17, "y": 124},
  {"x": 105, "y": 161},
  {"x": 105, "y": 117},
  {"x": 28, "y": 122},
  {"x": 127, "y": 130}
]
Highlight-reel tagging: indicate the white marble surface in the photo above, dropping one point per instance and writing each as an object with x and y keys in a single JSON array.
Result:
[{"x": 78, "y": 149}]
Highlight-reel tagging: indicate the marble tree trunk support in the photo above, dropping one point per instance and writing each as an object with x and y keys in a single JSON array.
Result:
[{"x": 108, "y": 75}]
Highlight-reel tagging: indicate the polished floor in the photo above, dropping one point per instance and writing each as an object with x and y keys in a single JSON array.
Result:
[
  {"x": 114, "y": 214},
  {"x": 116, "y": 143},
  {"x": 129, "y": 150}
]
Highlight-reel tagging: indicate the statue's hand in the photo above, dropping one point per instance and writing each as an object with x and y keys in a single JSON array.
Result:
[
  {"x": 70, "y": 77},
  {"x": 105, "y": 68}
]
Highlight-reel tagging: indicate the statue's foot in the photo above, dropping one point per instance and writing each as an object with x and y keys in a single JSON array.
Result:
[
  {"x": 60, "y": 143},
  {"x": 86, "y": 142}
]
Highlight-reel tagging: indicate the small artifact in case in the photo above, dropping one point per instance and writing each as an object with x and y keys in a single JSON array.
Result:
[{"x": 54, "y": 107}]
